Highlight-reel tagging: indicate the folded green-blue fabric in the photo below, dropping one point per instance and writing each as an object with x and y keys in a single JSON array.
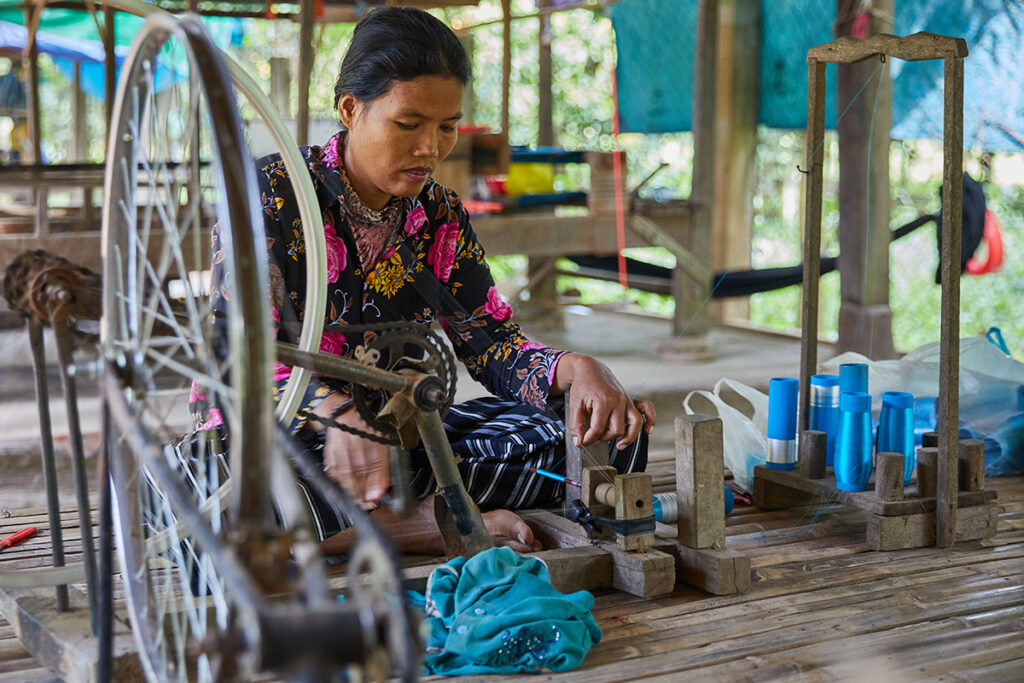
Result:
[{"x": 497, "y": 612}]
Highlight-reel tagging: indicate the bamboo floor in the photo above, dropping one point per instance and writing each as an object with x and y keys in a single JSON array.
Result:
[{"x": 821, "y": 606}]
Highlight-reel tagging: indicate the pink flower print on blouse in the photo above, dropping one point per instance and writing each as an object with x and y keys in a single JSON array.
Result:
[
  {"x": 333, "y": 342},
  {"x": 441, "y": 256},
  {"x": 496, "y": 306},
  {"x": 530, "y": 346},
  {"x": 196, "y": 393},
  {"x": 336, "y": 253},
  {"x": 331, "y": 151},
  {"x": 281, "y": 371},
  {"x": 214, "y": 419},
  {"x": 415, "y": 221}
]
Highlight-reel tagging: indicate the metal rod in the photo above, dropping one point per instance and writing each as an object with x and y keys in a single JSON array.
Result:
[
  {"x": 105, "y": 601},
  {"x": 345, "y": 368},
  {"x": 35, "y": 336},
  {"x": 467, "y": 515},
  {"x": 62, "y": 333}
]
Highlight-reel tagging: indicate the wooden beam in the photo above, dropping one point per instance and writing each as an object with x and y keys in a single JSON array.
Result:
[
  {"x": 548, "y": 235},
  {"x": 917, "y": 47},
  {"x": 687, "y": 262},
  {"x": 717, "y": 571},
  {"x": 918, "y": 530},
  {"x": 60, "y": 640}
]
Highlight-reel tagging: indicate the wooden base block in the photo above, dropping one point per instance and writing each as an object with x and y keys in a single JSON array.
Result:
[
  {"x": 786, "y": 488},
  {"x": 576, "y": 569},
  {"x": 717, "y": 571},
  {"x": 918, "y": 530},
  {"x": 770, "y": 495},
  {"x": 646, "y": 575},
  {"x": 61, "y": 641}
]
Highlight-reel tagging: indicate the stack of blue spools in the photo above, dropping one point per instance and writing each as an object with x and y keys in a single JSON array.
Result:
[{"x": 841, "y": 408}]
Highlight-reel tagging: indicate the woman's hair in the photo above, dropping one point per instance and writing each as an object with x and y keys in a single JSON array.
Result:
[{"x": 398, "y": 44}]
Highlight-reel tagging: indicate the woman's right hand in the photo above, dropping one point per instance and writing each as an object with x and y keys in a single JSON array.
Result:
[{"x": 360, "y": 466}]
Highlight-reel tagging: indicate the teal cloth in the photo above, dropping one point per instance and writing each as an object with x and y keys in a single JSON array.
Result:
[{"x": 498, "y": 613}]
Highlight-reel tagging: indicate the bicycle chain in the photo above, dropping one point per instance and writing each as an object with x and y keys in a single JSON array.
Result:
[{"x": 431, "y": 343}]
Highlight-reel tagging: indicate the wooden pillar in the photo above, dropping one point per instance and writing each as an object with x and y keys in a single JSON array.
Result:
[
  {"x": 865, "y": 319},
  {"x": 738, "y": 75},
  {"x": 305, "y": 71},
  {"x": 700, "y": 491},
  {"x": 32, "y": 85},
  {"x": 39, "y": 194},
  {"x": 468, "y": 98},
  {"x": 689, "y": 294},
  {"x": 109, "y": 63},
  {"x": 79, "y": 143},
  {"x": 949, "y": 331},
  {"x": 506, "y": 64},
  {"x": 544, "y": 290},
  {"x": 281, "y": 86},
  {"x": 814, "y": 162}
]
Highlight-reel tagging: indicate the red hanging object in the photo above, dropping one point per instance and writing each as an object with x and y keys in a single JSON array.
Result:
[{"x": 993, "y": 238}]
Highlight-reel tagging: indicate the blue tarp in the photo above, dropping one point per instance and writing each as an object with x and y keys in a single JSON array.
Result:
[
  {"x": 655, "y": 75},
  {"x": 65, "y": 51}
]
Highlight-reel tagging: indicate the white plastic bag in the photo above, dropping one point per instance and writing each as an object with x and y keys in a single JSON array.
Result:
[
  {"x": 744, "y": 443},
  {"x": 991, "y": 405}
]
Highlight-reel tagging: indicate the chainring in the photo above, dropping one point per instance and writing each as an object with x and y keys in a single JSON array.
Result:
[{"x": 390, "y": 346}]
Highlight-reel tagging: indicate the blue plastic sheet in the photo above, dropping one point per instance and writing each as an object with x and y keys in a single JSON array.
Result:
[{"x": 656, "y": 42}]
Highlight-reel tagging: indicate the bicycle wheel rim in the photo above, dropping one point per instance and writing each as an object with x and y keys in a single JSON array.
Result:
[{"x": 174, "y": 594}]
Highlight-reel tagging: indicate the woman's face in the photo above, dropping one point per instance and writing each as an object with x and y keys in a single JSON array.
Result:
[{"x": 395, "y": 141}]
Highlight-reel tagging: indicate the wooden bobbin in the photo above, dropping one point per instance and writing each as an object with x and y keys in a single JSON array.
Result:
[
  {"x": 930, "y": 440},
  {"x": 813, "y": 449},
  {"x": 598, "y": 488},
  {"x": 971, "y": 458},
  {"x": 634, "y": 499},
  {"x": 927, "y": 471},
  {"x": 889, "y": 476}
]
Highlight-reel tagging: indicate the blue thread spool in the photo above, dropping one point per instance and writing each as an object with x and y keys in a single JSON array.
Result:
[
  {"x": 896, "y": 429},
  {"x": 853, "y": 377},
  {"x": 665, "y": 508},
  {"x": 823, "y": 415},
  {"x": 782, "y": 393},
  {"x": 853, "y": 442}
]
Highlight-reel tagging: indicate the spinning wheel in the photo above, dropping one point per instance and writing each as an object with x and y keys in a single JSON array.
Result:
[{"x": 199, "y": 557}]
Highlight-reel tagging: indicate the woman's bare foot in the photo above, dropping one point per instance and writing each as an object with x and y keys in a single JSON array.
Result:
[
  {"x": 508, "y": 529},
  {"x": 418, "y": 533}
]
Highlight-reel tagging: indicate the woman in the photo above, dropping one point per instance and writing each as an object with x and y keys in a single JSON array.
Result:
[{"x": 401, "y": 247}]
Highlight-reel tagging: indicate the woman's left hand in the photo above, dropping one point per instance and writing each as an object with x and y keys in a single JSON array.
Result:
[{"x": 597, "y": 398}]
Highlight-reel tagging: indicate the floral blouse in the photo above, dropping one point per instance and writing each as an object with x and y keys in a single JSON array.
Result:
[{"x": 431, "y": 268}]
